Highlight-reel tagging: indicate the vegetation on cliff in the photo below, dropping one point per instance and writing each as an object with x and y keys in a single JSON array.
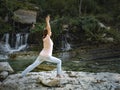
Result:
[{"x": 82, "y": 15}]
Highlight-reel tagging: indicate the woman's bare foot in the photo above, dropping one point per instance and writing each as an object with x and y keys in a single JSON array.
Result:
[{"x": 59, "y": 76}]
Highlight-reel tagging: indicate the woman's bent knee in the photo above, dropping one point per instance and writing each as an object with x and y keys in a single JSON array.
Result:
[{"x": 59, "y": 61}]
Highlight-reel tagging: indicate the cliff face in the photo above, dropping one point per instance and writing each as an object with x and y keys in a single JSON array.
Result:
[{"x": 70, "y": 81}]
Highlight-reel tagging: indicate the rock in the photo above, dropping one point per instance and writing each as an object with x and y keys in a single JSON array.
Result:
[
  {"x": 2, "y": 56},
  {"x": 50, "y": 82},
  {"x": 109, "y": 39},
  {"x": 0, "y": 83},
  {"x": 3, "y": 75},
  {"x": 25, "y": 16},
  {"x": 47, "y": 80},
  {"x": 45, "y": 67},
  {"x": 71, "y": 74},
  {"x": 4, "y": 66}
]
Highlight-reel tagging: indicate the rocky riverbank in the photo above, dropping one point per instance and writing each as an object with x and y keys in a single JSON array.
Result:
[
  {"x": 46, "y": 80},
  {"x": 71, "y": 81}
]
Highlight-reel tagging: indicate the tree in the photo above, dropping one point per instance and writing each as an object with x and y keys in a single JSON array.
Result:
[{"x": 80, "y": 7}]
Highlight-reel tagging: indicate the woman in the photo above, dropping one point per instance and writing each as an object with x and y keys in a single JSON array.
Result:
[{"x": 46, "y": 53}]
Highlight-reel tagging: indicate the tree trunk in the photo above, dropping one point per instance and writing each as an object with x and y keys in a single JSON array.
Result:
[{"x": 80, "y": 7}]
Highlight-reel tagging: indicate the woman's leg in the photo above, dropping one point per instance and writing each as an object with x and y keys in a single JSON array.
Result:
[
  {"x": 32, "y": 66},
  {"x": 55, "y": 60}
]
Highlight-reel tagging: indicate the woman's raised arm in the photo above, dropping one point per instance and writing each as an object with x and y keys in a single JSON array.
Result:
[{"x": 48, "y": 27}]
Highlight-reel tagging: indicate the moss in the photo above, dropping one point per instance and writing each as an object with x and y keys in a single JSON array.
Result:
[
  {"x": 45, "y": 67},
  {"x": 12, "y": 56}
]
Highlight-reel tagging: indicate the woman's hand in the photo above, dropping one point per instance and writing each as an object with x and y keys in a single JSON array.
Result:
[
  {"x": 33, "y": 26},
  {"x": 48, "y": 18}
]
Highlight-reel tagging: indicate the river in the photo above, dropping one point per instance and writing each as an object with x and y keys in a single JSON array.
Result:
[
  {"x": 100, "y": 59},
  {"x": 111, "y": 64}
]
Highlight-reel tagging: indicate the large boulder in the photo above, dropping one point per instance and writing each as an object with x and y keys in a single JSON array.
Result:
[
  {"x": 5, "y": 69},
  {"x": 4, "y": 66},
  {"x": 25, "y": 16},
  {"x": 3, "y": 75}
]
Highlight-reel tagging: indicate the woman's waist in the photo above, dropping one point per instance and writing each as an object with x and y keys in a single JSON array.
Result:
[
  {"x": 46, "y": 49},
  {"x": 46, "y": 52}
]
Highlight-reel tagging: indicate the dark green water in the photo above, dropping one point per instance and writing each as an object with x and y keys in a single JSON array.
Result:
[{"x": 100, "y": 65}]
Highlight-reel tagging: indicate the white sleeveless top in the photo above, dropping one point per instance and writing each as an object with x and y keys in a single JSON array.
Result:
[{"x": 47, "y": 46}]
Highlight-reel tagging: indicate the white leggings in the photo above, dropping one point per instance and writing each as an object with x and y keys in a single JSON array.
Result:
[{"x": 39, "y": 60}]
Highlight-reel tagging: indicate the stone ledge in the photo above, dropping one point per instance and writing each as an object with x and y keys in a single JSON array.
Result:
[{"x": 71, "y": 81}]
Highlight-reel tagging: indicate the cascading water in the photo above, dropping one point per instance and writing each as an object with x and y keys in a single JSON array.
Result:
[
  {"x": 65, "y": 45},
  {"x": 21, "y": 42},
  {"x": 15, "y": 43},
  {"x": 17, "y": 40},
  {"x": 4, "y": 45}
]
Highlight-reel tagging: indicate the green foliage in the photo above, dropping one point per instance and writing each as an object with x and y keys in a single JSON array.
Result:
[
  {"x": 89, "y": 6},
  {"x": 39, "y": 27},
  {"x": 67, "y": 12},
  {"x": 5, "y": 27},
  {"x": 106, "y": 18},
  {"x": 7, "y": 8},
  {"x": 89, "y": 25},
  {"x": 115, "y": 34},
  {"x": 57, "y": 24}
]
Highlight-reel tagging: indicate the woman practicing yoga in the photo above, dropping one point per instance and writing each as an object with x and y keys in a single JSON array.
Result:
[{"x": 46, "y": 53}]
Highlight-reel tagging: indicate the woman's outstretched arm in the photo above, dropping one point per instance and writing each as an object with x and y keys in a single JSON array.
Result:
[{"x": 48, "y": 27}]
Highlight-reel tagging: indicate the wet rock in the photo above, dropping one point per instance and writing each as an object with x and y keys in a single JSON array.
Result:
[{"x": 3, "y": 75}]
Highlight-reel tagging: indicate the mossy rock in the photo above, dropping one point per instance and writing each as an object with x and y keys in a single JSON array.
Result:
[{"x": 45, "y": 67}]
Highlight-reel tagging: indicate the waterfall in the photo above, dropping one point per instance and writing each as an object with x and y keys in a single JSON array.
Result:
[
  {"x": 26, "y": 38},
  {"x": 65, "y": 44},
  {"x": 20, "y": 41},
  {"x": 17, "y": 40},
  {"x": 6, "y": 36},
  {"x": 4, "y": 45}
]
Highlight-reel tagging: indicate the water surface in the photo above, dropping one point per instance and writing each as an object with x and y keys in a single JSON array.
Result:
[{"x": 99, "y": 65}]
